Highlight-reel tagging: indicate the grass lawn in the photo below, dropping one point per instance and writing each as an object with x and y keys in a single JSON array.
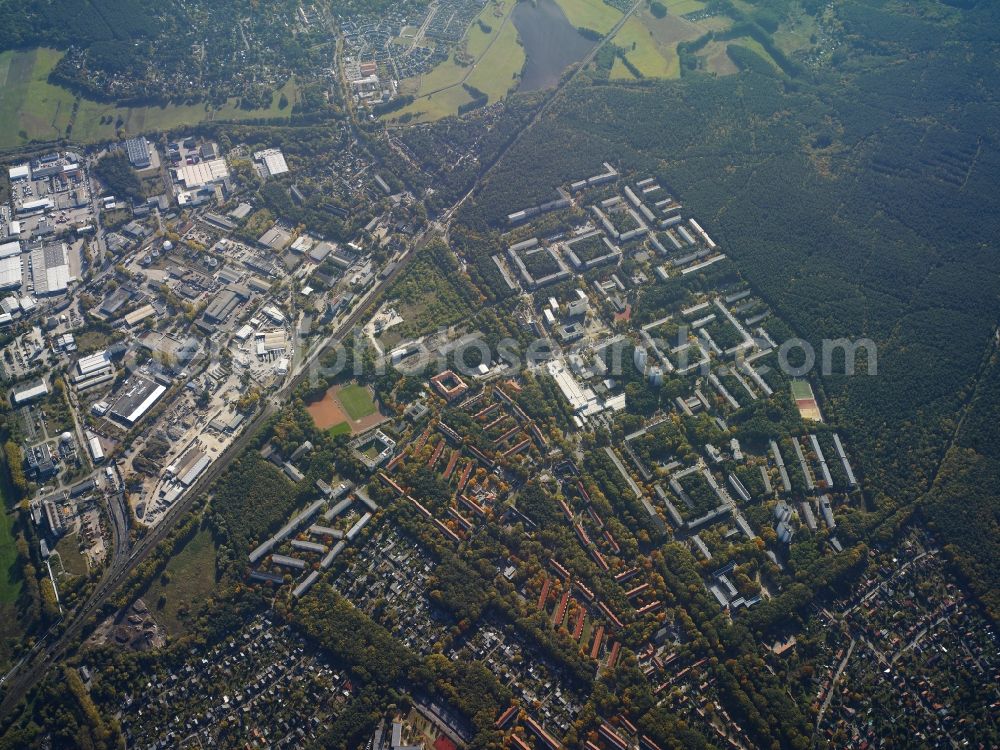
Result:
[
  {"x": 10, "y": 577},
  {"x": 357, "y": 401},
  {"x": 436, "y": 106},
  {"x": 590, "y": 14},
  {"x": 644, "y": 53},
  {"x": 12, "y": 626},
  {"x": 73, "y": 561},
  {"x": 341, "y": 428},
  {"x": 32, "y": 109},
  {"x": 191, "y": 581}
]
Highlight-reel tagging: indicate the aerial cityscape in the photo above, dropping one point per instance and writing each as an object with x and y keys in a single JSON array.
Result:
[{"x": 500, "y": 374}]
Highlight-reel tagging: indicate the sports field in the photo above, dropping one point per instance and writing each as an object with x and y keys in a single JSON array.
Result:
[
  {"x": 801, "y": 389},
  {"x": 357, "y": 400},
  {"x": 805, "y": 401},
  {"x": 345, "y": 409},
  {"x": 32, "y": 109}
]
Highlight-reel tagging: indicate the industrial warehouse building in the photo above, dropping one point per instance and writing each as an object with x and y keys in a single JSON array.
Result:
[
  {"x": 137, "y": 150},
  {"x": 137, "y": 396},
  {"x": 273, "y": 161},
  {"x": 50, "y": 269}
]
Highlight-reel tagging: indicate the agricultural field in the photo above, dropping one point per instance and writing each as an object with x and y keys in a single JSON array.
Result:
[
  {"x": 187, "y": 581},
  {"x": 620, "y": 72},
  {"x": 590, "y": 14},
  {"x": 497, "y": 58},
  {"x": 683, "y": 7},
  {"x": 34, "y": 109},
  {"x": 642, "y": 50},
  {"x": 655, "y": 53}
]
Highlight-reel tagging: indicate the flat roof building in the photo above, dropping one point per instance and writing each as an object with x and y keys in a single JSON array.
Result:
[
  {"x": 137, "y": 396},
  {"x": 11, "y": 272},
  {"x": 50, "y": 269},
  {"x": 22, "y": 394},
  {"x": 273, "y": 161},
  {"x": 204, "y": 172},
  {"x": 137, "y": 150},
  {"x": 220, "y": 308}
]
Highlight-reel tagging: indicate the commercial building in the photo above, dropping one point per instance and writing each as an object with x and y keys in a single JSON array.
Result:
[
  {"x": 37, "y": 206},
  {"x": 137, "y": 150},
  {"x": 273, "y": 161},
  {"x": 203, "y": 173},
  {"x": 189, "y": 466},
  {"x": 50, "y": 269},
  {"x": 22, "y": 394},
  {"x": 583, "y": 400},
  {"x": 95, "y": 447},
  {"x": 135, "y": 317},
  {"x": 271, "y": 343},
  {"x": 92, "y": 364},
  {"x": 135, "y": 398},
  {"x": 11, "y": 272},
  {"x": 220, "y": 308},
  {"x": 10, "y": 249}
]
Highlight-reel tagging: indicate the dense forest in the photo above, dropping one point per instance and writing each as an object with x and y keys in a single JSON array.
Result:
[{"x": 964, "y": 500}]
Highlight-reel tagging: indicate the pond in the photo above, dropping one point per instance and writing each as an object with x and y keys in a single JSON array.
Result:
[{"x": 550, "y": 42}]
